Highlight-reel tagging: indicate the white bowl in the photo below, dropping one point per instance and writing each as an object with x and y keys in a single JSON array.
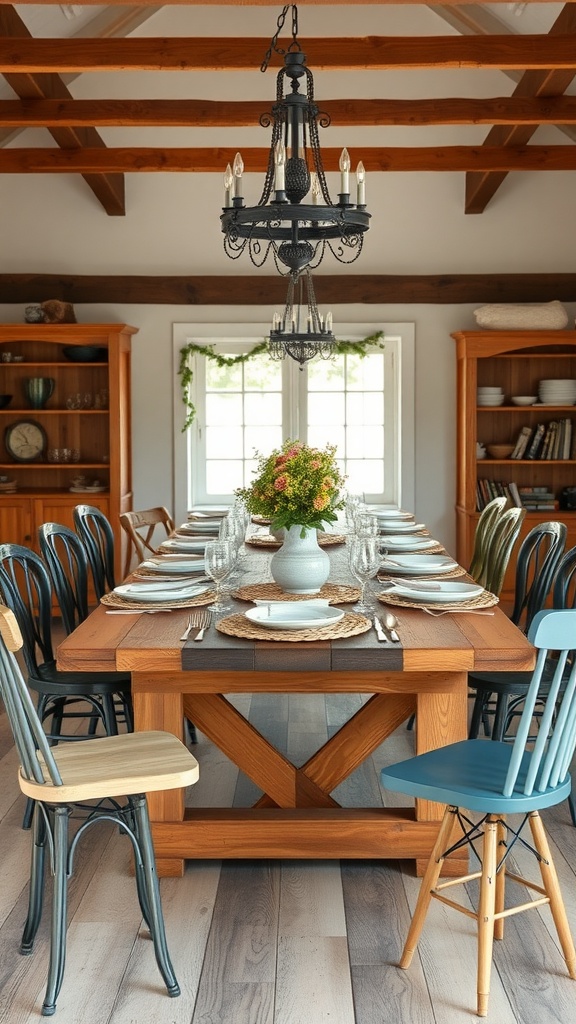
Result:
[
  {"x": 523, "y": 399},
  {"x": 493, "y": 400}
]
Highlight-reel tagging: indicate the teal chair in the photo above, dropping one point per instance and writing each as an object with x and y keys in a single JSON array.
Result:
[{"x": 492, "y": 780}]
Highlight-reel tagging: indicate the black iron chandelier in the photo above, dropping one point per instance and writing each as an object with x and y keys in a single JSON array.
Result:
[{"x": 295, "y": 233}]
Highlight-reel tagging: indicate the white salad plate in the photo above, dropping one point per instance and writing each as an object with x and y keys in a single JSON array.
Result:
[
  {"x": 155, "y": 592},
  {"x": 183, "y": 545},
  {"x": 402, "y": 527},
  {"x": 390, "y": 513},
  {"x": 174, "y": 566},
  {"x": 293, "y": 615},
  {"x": 444, "y": 592},
  {"x": 418, "y": 565},
  {"x": 409, "y": 543},
  {"x": 205, "y": 525}
]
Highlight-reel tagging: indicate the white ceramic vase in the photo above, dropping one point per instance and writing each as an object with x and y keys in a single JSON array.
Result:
[{"x": 300, "y": 566}]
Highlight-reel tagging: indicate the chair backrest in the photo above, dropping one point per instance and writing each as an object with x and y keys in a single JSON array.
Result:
[
  {"x": 564, "y": 589},
  {"x": 29, "y": 736},
  {"x": 25, "y": 587},
  {"x": 538, "y": 559},
  {"x": 488, "y": 518},
  {"x": 96, "y": 533},
  {"x": 67, "y": 562},
  {"x": 551, "y": 632},
  {"x": 141, "y": 528},
  {"x": 499, "y": 549}
]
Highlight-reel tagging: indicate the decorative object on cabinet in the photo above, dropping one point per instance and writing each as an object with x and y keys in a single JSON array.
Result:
[
  {"x": 25, "y": 441},
  {"x": 33, "y": 314},
  {"x": 548, "y": 316},
  {"x": 533, "y": 478},
  {"x": 96, "y": 429},
  {"x": 38, "y": 390},
  {"x": 56, "y": 312}
]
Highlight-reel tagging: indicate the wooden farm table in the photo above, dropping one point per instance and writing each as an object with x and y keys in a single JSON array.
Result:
[{"x": 296, "y": 817}]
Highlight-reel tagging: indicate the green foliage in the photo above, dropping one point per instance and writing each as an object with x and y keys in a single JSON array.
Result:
[{"x": 359, "y": 348}]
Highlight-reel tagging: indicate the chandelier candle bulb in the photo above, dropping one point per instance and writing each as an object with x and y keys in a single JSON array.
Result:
[
  {"x": 360, "y": 185},
  {"x": 314, "y": 188},
  {"x": 345, "y": 172},
  {"x": 238, "y": 172},
  {"x": 279, "y": 167},
  {"x": 228, "y": 182}
]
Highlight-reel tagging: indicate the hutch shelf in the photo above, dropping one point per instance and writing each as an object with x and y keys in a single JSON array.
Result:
[
  {"x": 515, "y": 361},
  {"x": 80, "y": 444}
]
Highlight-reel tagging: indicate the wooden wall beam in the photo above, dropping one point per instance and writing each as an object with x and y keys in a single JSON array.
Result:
[
  {"x": 233, "y": 290},
  {"x": 374, "y": 53},
  {"x": 501, "y": 110},
  {"x": 146, "y": 159}
]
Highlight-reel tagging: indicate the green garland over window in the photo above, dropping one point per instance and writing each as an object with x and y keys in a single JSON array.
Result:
[{"x": 341, "y": 348}]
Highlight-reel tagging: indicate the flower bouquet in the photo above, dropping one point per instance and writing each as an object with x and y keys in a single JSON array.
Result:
[{"x": 296, "y": 486}]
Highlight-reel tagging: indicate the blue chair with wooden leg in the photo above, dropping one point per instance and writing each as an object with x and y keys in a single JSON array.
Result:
[
  {"x": 105, "y": 779},
  {"x": 493, "y": 780}
]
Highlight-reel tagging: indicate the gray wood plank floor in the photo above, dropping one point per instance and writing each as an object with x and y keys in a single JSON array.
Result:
[{"x": 269, "y": 942}]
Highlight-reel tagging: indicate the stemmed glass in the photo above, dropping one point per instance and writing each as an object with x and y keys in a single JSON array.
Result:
[
  {"x": 219, "y": 558},
  {"x": 233, "y": 529},
  {"x": 364, "y": 564}
]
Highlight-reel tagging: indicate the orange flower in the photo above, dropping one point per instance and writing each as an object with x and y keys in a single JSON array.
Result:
[
  {"x": 320, "y": 501},
  {"x": 281, "y": 483}
]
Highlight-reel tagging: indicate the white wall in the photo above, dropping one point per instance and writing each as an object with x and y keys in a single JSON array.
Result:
[{"x": 55, "y": 225}]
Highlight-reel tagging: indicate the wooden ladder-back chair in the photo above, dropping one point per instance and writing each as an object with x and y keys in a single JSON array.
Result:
[
  {"x": 96, "y": 533},
  {"x": 493, "y": 783},
  {"x": 113, "y": 771},
  {"x": 538, "y": 559},
  {"x": 487, "y": 520},
  {"x": 142, "y": 530}
]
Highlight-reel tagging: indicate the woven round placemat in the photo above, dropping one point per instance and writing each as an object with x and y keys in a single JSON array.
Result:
[
  {"x": 484, "y": 600},
  {"x": 334, "y": 593},
  {"x": 261, "y": 520},
  {"x": 238, "y": 625},
  {"x": 113, "y": 601},
  {"x": 266, "y": 540},
  {"x": 385, "y": 575}
]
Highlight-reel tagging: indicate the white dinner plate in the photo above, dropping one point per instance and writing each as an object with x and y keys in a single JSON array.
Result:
[
  {"x": 445, "y": 592},
  {"x": 168, "y": 566},
  {"x": 409, "y": 543},
  {"x": 390, "y": 513},
  {"x": 386, "y": 528},
  {"x": 418, "y": 565},
  {"x": 156, "y": 592},
  {"x": 211, "y": 511},
  {"x": 293, "y": 615},
  {"x": 206, "y": 525},
  {"x": 184, "y": 545}
]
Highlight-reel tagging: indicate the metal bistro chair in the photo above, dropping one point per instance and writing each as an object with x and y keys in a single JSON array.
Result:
[
  {"x": 487, "y": 520},
  {"x": 499, "y": 548},
  {"x": 141, "y": 528},
  {"x": 97, "y": 535},
  {"x": 113, "y": 771},
  {"x": 538, "y": 558},
  {"x": 512, "y": 779}
]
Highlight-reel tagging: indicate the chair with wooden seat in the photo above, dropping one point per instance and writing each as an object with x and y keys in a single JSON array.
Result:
[
  {"x": 96, "y": 533},
  {"x": 487, "y": 520},
  {"x": 493, "y": 780},
  {"x": 143, "y": 529},
  {"x": 538, "y": 559},
  {"x": 114, "y": 773}
]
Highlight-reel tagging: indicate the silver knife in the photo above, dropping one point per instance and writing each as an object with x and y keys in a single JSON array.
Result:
[{"x": 382, "y": 638}]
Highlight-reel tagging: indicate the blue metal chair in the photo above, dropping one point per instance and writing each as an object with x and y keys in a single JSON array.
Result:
[
  {"x": 97, "y": 535},
  {"x": 494, "y": 779},
  {"x": 114, "y": 772}
]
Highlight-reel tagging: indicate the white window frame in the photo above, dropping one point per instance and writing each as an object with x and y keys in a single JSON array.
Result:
[{"x": 399, "y": 353}]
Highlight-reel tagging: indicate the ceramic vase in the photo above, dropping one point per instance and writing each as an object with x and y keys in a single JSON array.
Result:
[
  {"x": 38, "y": 390},
  {"x": 300, "y": 566}
]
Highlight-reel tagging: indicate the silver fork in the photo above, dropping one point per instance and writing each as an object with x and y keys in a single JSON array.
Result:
[{"x": 201, "y": 621}]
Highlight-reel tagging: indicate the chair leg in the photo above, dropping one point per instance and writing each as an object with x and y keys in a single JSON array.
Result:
[
  {"x": 500, "y": 717},
  {"x": 500, "y": 880},
  {"x": 59, "y": 910},
  {"x": 550, "y": 883},
  {"x": 156, "y": 917},
  {"x": 572, "y": 809},
  {"x": 476, "y": 718},
  {"x": 36, "y": 885},
  {"x": 485, "y": 916},
  {"x": 431, "y": 876}
]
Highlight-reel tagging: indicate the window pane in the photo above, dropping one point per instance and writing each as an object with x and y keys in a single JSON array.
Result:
[
  {"x": 223, "y": 378},
  {"x": 253, "y": 440},
  {"x": 262, "y": 374},
  {"x": 365, "y": 476},
  {"x": 222, "y": 409},
  {"x": 263, "y": 409},
  {"x": 221, "y": 442},
  {"x": 324, "y": 375},
  {"x": 223, "y": 477},
  {"x": 365, "y": 408},
  {"x": 321, "y": 435},
  {"x": 328, "y": 408},
  {"x": 363, "y": 442},
  {"x": 366, "y": 373}
]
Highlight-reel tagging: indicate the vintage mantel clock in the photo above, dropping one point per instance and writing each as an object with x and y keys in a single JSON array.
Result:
[{"x": 25, "y": 441}]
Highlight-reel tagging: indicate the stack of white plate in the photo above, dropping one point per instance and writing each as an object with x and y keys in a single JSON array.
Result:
[
  {"x": 489, "y": 396},
  {"x": 557, "y": 392}
]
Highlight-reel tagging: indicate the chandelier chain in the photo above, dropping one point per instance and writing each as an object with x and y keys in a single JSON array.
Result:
[{"x": 280, "y": 25}]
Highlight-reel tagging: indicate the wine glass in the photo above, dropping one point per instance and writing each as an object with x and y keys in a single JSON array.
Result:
[
  {"x": 219, "y": 558},
  {"x": 364, "y": 563},
  {"x": 366, "y": 525}
]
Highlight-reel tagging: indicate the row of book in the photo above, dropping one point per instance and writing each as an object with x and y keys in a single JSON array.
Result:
[
  {"x": 545, "y": 441},
  {"x": 531, "y": 498}
]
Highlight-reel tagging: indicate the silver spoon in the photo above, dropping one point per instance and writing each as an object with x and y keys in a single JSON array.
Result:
[{"x": 390, "y": 621}]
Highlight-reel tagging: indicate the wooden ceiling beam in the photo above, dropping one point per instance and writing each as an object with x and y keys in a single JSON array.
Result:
[
  {"x": 46, "y": 113},
  {"x": 146, "y": 159},
  {"x": 107, "y": 187},
  {"x": 481, "y": 187},
  {"x": 259, "y": 289},
  {"x": 373, "y": 53},
  {"x": 259, "y": 3}
]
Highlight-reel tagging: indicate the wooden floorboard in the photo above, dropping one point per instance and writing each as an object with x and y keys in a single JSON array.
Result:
[{"x": 275, "y": 942}]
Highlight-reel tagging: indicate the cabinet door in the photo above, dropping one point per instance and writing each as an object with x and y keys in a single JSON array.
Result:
[{"x": 16, "y": 521}]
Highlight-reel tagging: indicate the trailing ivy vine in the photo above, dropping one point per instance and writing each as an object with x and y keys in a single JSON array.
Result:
[{"x": 359, "y": 348}]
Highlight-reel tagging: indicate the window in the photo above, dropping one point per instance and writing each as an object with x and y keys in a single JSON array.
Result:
[{"x": 362, "y": 405}]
